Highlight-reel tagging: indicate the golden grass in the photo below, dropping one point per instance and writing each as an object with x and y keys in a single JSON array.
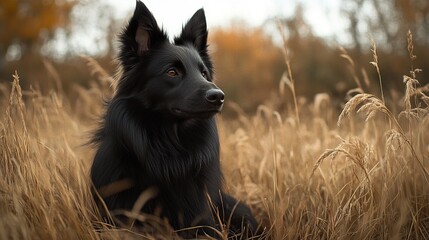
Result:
[{"x": 304, "y": 178}]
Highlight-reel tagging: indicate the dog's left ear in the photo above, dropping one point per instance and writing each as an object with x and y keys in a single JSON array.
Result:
[{"x": 195, "y": 32}]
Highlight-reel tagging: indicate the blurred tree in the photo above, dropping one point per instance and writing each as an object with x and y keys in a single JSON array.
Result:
[
  {"x": 390, "y": 28},
  {"x": 26, "y": 24},
  {"x": 92, "y": 31},
  {"x": 316, "y": 65},
  {"x": 388, "y": 23},
  {"x": 407, "y": 14},
  {"x": 248, "y": 63}
]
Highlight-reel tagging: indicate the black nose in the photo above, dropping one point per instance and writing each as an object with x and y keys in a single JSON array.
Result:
[{"x": 215, "y": 97}]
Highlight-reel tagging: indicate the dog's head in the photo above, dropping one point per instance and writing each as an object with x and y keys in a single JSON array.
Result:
[{"x": 172, "y": 78}]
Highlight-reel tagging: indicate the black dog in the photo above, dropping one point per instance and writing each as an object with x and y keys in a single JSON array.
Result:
[{"x": 159, "y": 131}]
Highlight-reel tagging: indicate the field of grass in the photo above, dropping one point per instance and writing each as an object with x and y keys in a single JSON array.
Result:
[{"x": 307, "y": 172}]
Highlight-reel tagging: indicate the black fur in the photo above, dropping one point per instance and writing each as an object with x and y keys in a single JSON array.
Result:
[{"x": 159, "y": 129}]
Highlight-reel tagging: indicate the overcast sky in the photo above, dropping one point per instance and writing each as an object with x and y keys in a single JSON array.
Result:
[{"x": 323, "y": 15}]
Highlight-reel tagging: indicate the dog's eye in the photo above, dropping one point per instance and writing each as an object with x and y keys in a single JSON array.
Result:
[
  {"x": 204, "y": 74},
  {"x": 172, "y": 73}
]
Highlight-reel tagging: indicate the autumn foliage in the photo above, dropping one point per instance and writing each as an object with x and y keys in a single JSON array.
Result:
[
  {"x": 28, "y": 23},
  {"x": 248, "y": 64}
]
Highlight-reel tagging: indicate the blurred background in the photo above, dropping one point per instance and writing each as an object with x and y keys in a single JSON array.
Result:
[{"x": 45, "y": 40}]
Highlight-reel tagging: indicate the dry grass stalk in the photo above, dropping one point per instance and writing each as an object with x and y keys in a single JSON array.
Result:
[
  {"x": 376, "y": 65},
  {"x": 54, "y": 74},
  {"x": 287, "y": 77},
  {"x": 352, "y": 67}
]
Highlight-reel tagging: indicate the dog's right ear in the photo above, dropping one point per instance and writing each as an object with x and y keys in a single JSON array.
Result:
[
  {"x": 147, "y": 34},
  {"x": 141, "y": 34}
]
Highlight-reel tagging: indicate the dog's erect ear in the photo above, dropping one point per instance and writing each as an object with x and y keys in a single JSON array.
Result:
[
  {"x": 141, "y": 34},
  {"x": 147, "y": 34},
  {"x": 195, "y": 32}
]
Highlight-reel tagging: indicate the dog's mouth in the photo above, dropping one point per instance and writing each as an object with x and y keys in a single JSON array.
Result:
[{"x": 195, "y": 113}]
